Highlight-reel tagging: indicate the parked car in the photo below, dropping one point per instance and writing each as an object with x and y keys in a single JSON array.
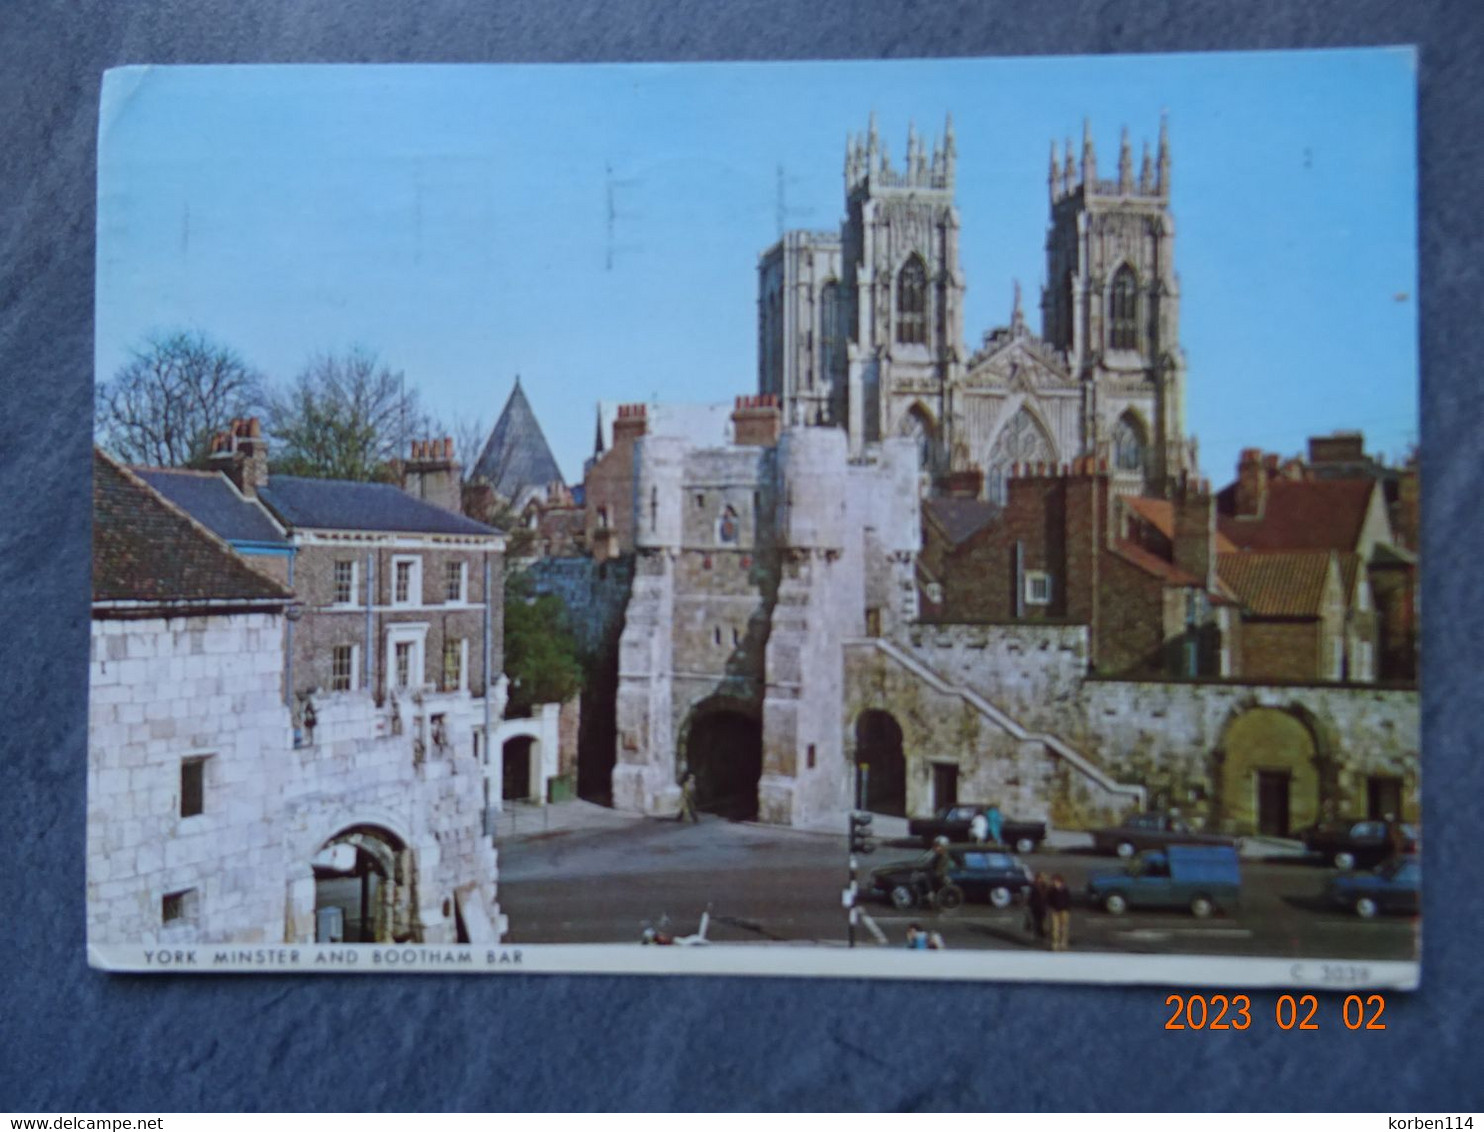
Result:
[
  {"x": 986, "y": 875},
  {"x": 1203, "y": 878},
  {"x": 1152, "y": 831},
  {"x": 1351, "y": 842},
  {"x": 1395, "y": 886},
  {"x": 953, "y": 823}
]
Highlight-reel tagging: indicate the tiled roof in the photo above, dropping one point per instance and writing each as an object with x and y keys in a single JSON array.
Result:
[
  {"x": 1278, "y": 583},
  {"x": 1160, "y": 514},
  {"x": 145, "y": 549},
  {"x": 343, "y": 505},
  {"x": 1301, "y": 515},
  {"x": 212, "y": 500},
  {"x": 1153, "y": 564},
  {"x": 959, "y": 519},
  {"x": 516, "y": 454}
]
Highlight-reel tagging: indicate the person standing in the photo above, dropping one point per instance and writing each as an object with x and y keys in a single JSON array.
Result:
[
  {"x": 917, "y": 939},
  {"x": 978, "y": 828},
  {"x": 688, "y": 799},
  {"x": 1036, "y": 906},
  {"x": 1059, "y": 902},
  {"x": 996, "y": 825}
]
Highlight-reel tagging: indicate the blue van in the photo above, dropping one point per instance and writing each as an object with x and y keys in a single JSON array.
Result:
[{"x": 1203, "y": 878}]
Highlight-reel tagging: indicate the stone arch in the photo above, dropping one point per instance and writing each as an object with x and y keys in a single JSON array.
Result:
[
  {"x": 364, "y": 887},
  {"x": 912, "y": 301},
  {"x": 879, "y": 746},
  {"x": 1023, "y": 439},
  {"x": 1130, "y": 442},
  {"x": 721, "y": 743},
  {"x": 1123, "y": 308},
  {"x": 917, "y": 424},
  {"x": 1272, "y": 772}
]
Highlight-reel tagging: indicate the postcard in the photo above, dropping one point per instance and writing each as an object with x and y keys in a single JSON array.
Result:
[{"x": 782, "y": 519}]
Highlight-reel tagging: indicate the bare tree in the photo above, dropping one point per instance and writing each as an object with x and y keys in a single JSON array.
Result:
[
  {"x": 164, "y": 405},
  {"x": 346, "y": 416}
]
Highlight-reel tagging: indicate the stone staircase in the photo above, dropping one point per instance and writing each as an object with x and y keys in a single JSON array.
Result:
[{"x": 1085, "y": 764}]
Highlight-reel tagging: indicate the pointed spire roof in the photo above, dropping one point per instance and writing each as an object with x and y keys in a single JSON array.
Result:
[{"x": 516, "y": 455}]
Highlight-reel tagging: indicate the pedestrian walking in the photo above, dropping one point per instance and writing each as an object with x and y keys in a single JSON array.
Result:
[
  {"x": 1036, "y": 906},
  {"x": 996, "y": 825},
  {"x": 688, "y": 799},
  {"x": 1059, "y": 902}
]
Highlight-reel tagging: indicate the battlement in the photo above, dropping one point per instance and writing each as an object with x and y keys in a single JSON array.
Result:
[
  {"x": 1152, "y": 182},
  {"x": 868, "y": 164}
]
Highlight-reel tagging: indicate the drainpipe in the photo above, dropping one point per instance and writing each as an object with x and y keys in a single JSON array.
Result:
[
  {"x": 489, "y": 825},
  {"x": 1019, "y": 580},
  {"x": 370, "y": 629},
  {"x": 288, "y": 646}
]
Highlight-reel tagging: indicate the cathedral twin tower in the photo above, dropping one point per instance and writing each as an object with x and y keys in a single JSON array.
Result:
[{"x": 863, "y": 328}]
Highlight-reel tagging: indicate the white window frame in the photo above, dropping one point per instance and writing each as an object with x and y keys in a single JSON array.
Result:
[
  {"x": 414, "y": 580},
  {"x": 463, "y": 681},
  {"x": 355, "y": 668},
  {"x": 416, "y": 635},
  {"x": 463, "y": 595},
  {"x": 1337, "y": 657},
  {"x": 1035, "y": 579},
  {"x": 355, "y": 583}
]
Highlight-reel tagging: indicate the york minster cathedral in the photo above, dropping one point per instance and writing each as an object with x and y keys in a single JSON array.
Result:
[{"x": 862, "y": 329}]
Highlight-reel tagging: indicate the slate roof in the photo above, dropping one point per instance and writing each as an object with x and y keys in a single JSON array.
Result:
[
  {"x": 960, "y": 519},
  {"x": 1160, "y": 514},
  {"x": 146, "y": 549},
  {"x": 212, "y": 500},
  {"x": 343, "y": 505},
  {"x": 1278, "y": 583},
  {"x": 1300, "y": 515},
  {"x": 516, "y": 454}
]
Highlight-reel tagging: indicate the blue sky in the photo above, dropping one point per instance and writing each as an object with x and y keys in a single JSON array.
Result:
[{"x": 596, "y": 229}]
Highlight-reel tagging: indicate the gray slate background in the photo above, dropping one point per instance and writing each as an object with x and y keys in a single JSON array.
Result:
[{"x": 75, "y": 1040}]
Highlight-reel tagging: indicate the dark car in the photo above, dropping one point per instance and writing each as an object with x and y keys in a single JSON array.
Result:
[
  {"x": 1395, "y": 886},
  {"x": 1350, "y": 843},
  {"x": 953, "y": 822},
  {"x": 1152, "y": 831},
  {"x": 1203, "y": 878},
  {"x": 986, "y": 875}
]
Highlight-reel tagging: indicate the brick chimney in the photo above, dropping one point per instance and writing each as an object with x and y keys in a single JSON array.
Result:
[
  {"x": 757, "y": 420},
  {"x": 967, "y": 484},
  {"x": 631, "y": 423},
  {"x": 1193, "y": 546},
  {"x": 1337, "y": 448},
  {"x": 241, "y": 454},
  {"x": 432, "y": 474},
  {"x": 1252, "y": 483}
]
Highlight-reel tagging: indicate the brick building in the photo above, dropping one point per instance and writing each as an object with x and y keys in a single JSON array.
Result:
[{"x": 391, "y": 673}]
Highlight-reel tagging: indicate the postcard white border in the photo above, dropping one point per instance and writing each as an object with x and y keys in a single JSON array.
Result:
[{"x": 811, "y": 961}]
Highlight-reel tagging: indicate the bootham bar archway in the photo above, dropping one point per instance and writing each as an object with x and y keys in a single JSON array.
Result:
[
  {"x": 722, "y": 745},
  {"x": 880, "y": 763}
]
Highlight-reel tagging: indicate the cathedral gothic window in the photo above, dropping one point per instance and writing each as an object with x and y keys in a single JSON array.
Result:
[
  {"x": 1128, "y": 445},
  {"x": 912, "y": 302},
  {"x": 832, "y": 338},
  {"x": 1123, "y": 316}
]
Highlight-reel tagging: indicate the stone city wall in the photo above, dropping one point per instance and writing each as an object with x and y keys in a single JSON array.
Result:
[{"x": 164, "y": 691}]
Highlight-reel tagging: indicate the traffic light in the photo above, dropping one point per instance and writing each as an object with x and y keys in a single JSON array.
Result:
[{"x": 860, "y": 833}]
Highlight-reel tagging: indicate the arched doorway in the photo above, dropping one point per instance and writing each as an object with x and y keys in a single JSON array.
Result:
[
  {"x": 362, "y": 892},
  {"x": 1269, "y": 773},
  {"x": 880, "y": 764},
  {"x": 724, "y": 750},
  {"x": 515, "y": 768}
]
